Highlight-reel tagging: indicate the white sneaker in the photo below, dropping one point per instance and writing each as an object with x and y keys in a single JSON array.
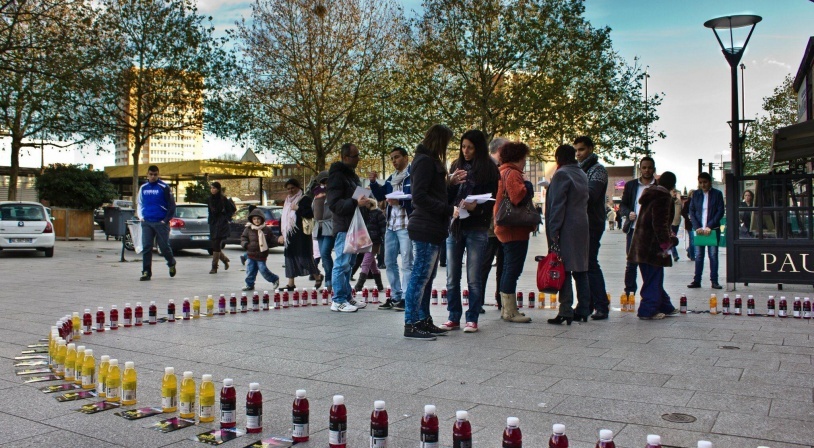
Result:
[
  {"x": 357, "y": 304},
  {"x": 344, "y": 307}
]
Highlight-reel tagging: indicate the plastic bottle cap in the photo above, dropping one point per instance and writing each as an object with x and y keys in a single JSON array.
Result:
[
  {"x": 300, "y": 393},
  {"x": 76, "y": 313},
  {"x": 88, "y": 352},
  {"x": 227, "y": 382},
  {"x": 605, "y": 434},
  {"x": 254, "y": 387},
  {"x": 704, "y": 444},
  {"x": 112, "y": 307},
  {"x": 61, "y": 342},
  {"x": 378, "y": 405},
  {"x": 559, "y": 428},
  {"x": 653, "y": 439},
  {"x": 462, "y": 415},
  {"x": 513, "y": 422},
  {"x": 169, "y": 370},
  {"x": 196, "y": 298},
  {"x": 172, "y": 301},
  {"x": 129, "y": 365},
  {"x": 81, "y": 348},
  {"x": 105, "y": 358},
  {"x": 127, "y": 304},
  {"x": 339, "y": 399},
  {"x": 429, "y": 409},
  {"x": 71, "y": 346},
  {"x": 99, "y": 308},
  {"x": 114, "y": 362},
  {"x": 87, "y": 310},
  {"x": 265, "y": 292},
  {"x": 207, "y": 377},
  {"x": 138, "y": 303},
  {"x": 187, "y": 374},
  {"x": 152, "y": 302}
]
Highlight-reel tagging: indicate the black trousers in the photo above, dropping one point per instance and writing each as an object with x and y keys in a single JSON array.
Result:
[{"x": 493, "y": 248}]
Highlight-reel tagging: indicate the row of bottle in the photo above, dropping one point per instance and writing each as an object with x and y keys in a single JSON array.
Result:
[
  {"x": 801, "y": 309},
  {"x": 534, "y": 300}
]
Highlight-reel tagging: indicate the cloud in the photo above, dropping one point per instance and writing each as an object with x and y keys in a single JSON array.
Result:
[{"x": 778, "y": 63}]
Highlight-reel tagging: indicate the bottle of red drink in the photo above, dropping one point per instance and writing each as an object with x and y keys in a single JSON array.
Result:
[
  {"x": 266, "y": 300},
  {"x": 338, "y": 424},
  {"x": 783, "y": 310},
  {"x": 87, "y": 322},
  {"x": 770, "y": 307},
  {"x": 558, "y": 438},
  {"x": 314, "y": 297},
  {"x": 797, "y": 310},
  {"x": 100, "y": 319},
  {"x": 295, "y": 298},
  {"x": 114, "y": 318},
  {"x": 512, "y": 436},
  {"x": 228, "y": 405},
  {"x": 429, "y": 428},
  {"x": 653, "y": 441},
  {"x": 387, "y": 294},
  {"x": 605, "y": 439},
  {"x": 244, "y": 303},
  {"x": 725, "y": 309},
  {"x": 127, "y": 315},
  {"x": 152, "y": 313},
  {"x": 806, "y": 308},
  {"x": 738, "y": 305},
  {"x": 171, "y": 311},
  {"x": 256, "y": 301},
  {"x": 465, "y": 297},
  {"x": 434, "y": 297},
  {"x": 461, "y": 431},
  {"x": 304, "y": 297},
  {"x": 683, "y": 304},
  {"x": 221, "y": 305},
  {"x": 375, "y": 295},
  {"x": 300, "y": 415},
  {"x": 138, "y": 315},
  {"x": 325, "y": 296},
  {"x": 285, "y": 299},
  {"x": 532, "y": 299},
  {"x": 277, "y": 299},
  {"x": 750, "y": 306},
  {"x": 186, "y": 310},
  {"x": 444, "y": 299},
  {"x": 254, "y": 409},
  {"x": 232, "y": 304},
  {"x": 378, "y": 425},
  {"x": 519, "y": 299}
]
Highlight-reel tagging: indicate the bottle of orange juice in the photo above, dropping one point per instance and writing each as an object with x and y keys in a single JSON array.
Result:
[{"x": 713, "y": 304}]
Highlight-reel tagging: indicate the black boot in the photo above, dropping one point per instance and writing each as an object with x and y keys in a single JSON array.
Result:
[
  {"x": 361, "y": 283},
  {"x": 378, "y": 279}
]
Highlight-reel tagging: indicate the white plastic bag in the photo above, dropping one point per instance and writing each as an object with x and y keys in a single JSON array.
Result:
[
  {"x": 135, "y": 235},
  {"x": 357, "y": 240}
]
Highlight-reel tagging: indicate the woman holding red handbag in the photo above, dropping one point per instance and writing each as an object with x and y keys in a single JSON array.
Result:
[{"x": 566, "y": 213}]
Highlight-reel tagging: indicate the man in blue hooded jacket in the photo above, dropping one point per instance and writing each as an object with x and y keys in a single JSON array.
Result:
[{"x": 156, "y": 207}]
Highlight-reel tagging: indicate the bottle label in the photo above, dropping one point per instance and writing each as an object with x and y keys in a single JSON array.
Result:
[
  {"x": 129, "y": 392},
  {"x": 101, "y": 387},
  {"x": 89, "y": 380},
  {"x": 253, "y": 421},
  {"x": 426, "y": 444},
  {"x": 378, "y": 433},
  {"x": 207, "y": 411},
  {"x": 338, "y": 433},
  {"x": 139, "y": 320},
  {"x": 228, "y": 413},
  {"x": 128, "y": 321},
  {"x": 186, "y": 407},
  {"x": 70, "y": 372},
  {"x": 169, "y": 400},
  {"x": 300, "y": 429},
  {"x": 429, "y": 440},
  {"x": 378, "y": 442},
  {"x": 462, "y": 443},
  {"x": 113, "y": 392}
]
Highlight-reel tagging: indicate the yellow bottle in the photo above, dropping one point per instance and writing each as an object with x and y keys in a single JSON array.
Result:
[
  {"x": 80, "y": 361},
  {"x": 607, "y": 296},
  {"x": 210, "y": 306},
  {"x": 196, "y": 307},
  {"x": 129, "y": 384},
  {"x": 623, "y": 302},
  {"x": 89, "y": 370},
  {"x": 52, "y": 348},
  {"x": 187, "y": 403},
  {"x": 76, "y": 321},
  {"x": 113, "y": 382},
  {"x": 552, "y": 301},
  {"x": 101, "y": 388},
  {"x": 70, "y": 362},
  {"x": 206, "y": 412},
  {"x": 631, "y": 302},
  {"x": 713, "y": 304},
  {"x": 169, "y": 391},
  {"x": 62, "y": 350}
]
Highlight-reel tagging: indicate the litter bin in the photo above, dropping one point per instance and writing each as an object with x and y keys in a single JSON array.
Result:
[{"x": 116, "y": 220}]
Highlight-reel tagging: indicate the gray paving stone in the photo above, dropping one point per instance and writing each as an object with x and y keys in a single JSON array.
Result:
[
  {"x": 59, "y": 437},
  {"x": 760, "y": 427},
  {"x": 664, "y": 364},
  {"x": 743, "y": 388},
  {"x": 636, "y": 435},
  {"x": 796, "y": 367},
  {"x": 612, "y": 391},
  {"x": 793, "y": 410},
  {"x": 782, "y": 377},
  {"x": 576, "y": 361},
  {"x": 730, "y": 402},
  {"x": 493, "y": 395},
  {"x": 610, "y": 376},
  {"x": 13, "y": 428}
]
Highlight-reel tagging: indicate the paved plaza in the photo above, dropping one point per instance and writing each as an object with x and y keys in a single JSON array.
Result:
[{"x": 746, "y": 381}]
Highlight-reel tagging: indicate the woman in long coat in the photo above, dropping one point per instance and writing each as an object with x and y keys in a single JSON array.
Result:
[
  {"x": 299, "y": 248},
  {"x": 221, "y": 210},
  {"x": 566, "y": 212}
]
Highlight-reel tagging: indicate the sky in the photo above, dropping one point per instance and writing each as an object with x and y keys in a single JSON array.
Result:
[{"x": 684, "y": 62}]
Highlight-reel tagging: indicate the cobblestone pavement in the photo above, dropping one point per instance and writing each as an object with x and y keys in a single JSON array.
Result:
[{"x": 746, "y": 381}]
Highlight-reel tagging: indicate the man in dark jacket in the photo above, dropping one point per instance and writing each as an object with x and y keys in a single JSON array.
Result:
[
  {"x": 597, "y": 189},
  {"x": 342, "y": 183},
  {"x": 629, "y": 209},
  {"x": 706, "y": 211}
]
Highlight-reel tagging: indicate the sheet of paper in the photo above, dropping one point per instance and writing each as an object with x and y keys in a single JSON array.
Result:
[
  {"x": 359, "y": 192},
  {"x": 60, "y": 388},
  {"x": 99, "y": 406},
  {"x": 171, "y": 424},
  {"x": 218, "y": 436},
  {"x": 272, "y": 442},
  {"x": 398, "y": 195},
  {"x": 135, "y": 414},
  {"x": 479, "y": 198}
]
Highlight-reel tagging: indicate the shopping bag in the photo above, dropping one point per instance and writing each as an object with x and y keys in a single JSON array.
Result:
[
  {"x": 550, "y": 273},
  {"x": 135, "y": 235},
  {"x": 705, "y": 240},
  {"x": 357, "y": 240}
]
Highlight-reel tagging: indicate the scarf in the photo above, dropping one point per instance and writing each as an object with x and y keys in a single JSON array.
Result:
[
  {"x": 397, "y": 178},
  {"x": 288, "y": 222},
  {"x": 261, "y": 236}
]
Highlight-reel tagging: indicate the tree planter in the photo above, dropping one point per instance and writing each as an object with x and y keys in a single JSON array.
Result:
[{"x": 70, "y": 223}]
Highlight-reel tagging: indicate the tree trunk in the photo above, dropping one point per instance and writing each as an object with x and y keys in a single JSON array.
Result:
[
  {"x": 136, "y": 155},
  {"x": 16, "y": 145}
]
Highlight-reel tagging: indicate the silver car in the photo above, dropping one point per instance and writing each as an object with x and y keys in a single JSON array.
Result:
[
  {"x": 26, "y": 225},
  {"x": 188, "y": 229}
]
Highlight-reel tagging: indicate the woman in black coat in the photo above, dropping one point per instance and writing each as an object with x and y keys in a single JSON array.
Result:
[
  {"x": 299, "y": 247},
  {"x": 221, "y": 210}
]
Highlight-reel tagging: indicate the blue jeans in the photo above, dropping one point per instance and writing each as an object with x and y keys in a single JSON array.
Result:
[
  {"x": 417, "y": 295},
  {"x": 151, "y": 230},
  {"x": 654, "y": 298},
  {"x": 514, "y": 257},
  {"x": 674, "y": 250},
  {"x": 341, "y": 270},
  {"x": 690, "y": 244},
  {"x": 474, "y": 241},
  {"x": 326, "y": 244},
  {"x": 596, "y": 279},
  {"x": 713, "y": 263},
  {"x": 252, "y": 266},
  {"x": 397, "y": 242},
  {"x": 631, "y": 269}
]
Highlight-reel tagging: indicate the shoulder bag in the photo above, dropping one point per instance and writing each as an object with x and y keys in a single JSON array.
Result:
[{"x": 511, "y": 215}]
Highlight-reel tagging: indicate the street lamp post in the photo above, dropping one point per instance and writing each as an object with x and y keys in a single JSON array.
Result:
[{"x": 646, "y": 115}]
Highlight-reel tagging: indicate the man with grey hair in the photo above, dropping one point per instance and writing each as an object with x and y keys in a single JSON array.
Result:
[{"x": 493, "y": 246}]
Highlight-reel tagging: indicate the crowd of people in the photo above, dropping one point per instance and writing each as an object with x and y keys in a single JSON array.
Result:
[{"x": 426, "y": 205}]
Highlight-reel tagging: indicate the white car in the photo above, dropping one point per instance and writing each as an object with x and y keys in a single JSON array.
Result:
[{"x": 26, "y": 225}]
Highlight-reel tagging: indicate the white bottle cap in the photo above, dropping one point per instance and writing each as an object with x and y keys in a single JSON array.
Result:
[
  {"x": 461, "y": 415},
  {"x": 265, "y": 292},
  {"x": 228, "y": 382},
  {"x": 704, "y": 444},
  {"x": 80, "y": 348},
  {"x": 71, "y": 346},
  {"x": 378, "y": 405},
  {"x": 514, "y": 422},
  {"x": 196, "y": 298},
  {"x": 187, "y": 374},
  {"x": 209, "y": 296},
  {"x": 88, "y": 352},
  {"x": 653, "y": 439},
  {"x": 61, "y": 342},
  {"x": 233, "y": 294},
  {"x": 76, "y": 313},
  {"x": 138, "y": 303},
  {"x": 605, "y": 434},
  {"x": 129, "y": 365},
  {"x": 300, "y": 393},
  {"x": 339, "y": 399},
  {"x": 206, "y": 377},
  {"x": 105, "y": 358},
  {"x": 751, "y": 296},
  {"x": 99, "y": 308},
  {"x": 112, "y": 307},
  {"x": 172, "y": 301},
  {"x": 87, "y": 310},
  {"x": 243, "y": 294},
  {"x": 127, "y": 304},
  {"x": 559, "y": 428},
  {"x": 114, "y": 363},
  {"x": 169, "y": 370},
  {"x": 254, "y": 387},
  {"x": 429, "y": 409},
  {"x": 152, "y": 302}
]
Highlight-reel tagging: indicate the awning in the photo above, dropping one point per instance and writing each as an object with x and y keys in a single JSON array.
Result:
[
  {"x": 793, "y": 142},
  {"x": 196, "y": 169}
]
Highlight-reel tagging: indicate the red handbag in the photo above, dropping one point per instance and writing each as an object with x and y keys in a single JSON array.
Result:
[{"x": 550, "y": 273}]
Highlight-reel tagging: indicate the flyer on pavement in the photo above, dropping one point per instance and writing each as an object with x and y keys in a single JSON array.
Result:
[
  {"x": 136, "y": 414},
  {"x": 218, "y": 436}
]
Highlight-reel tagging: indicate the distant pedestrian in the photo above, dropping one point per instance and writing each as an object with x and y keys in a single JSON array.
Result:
[
  {"x": 676, "y": 219},
  {"x": 245, "y": 256},
  {"x": 220, "y": 210},
  {"x": 299, "y": 250},
  {"x": 494, "y": 250},
  {"x": 629, "y": 209},
  {"x": 156, "y": 207},
  {"x": 323, "y": 227},
  {"x": 706, "y": 211},
  {"x": 611, "y": 218},
  {"x": 376, "y": 226},
  {"x": 685, "y": 213},
  {"x": 257, "y": 239}
]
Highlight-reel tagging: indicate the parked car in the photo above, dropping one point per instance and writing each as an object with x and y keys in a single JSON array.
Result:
[
  {"x": 272, "y": 212},
  {"x": 26, "y": 225},
  {"x": 188, "y": 229}
]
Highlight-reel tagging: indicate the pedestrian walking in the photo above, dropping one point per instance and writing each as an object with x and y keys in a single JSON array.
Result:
[
  {"x": 323, "y": 227},
  {"x": 295, "y": 226},
  {"x": 706, "y": 211},
  {"x": 611, "y": 218},
  {"x": 676, "y": 195},
  {"x": 156, "y": 207},
  {"x": 685, "y": 213},
  {"x": 257, "y": 239},
  {"x": 629, "y": 209},
  {"x": 220, "y": 210}
]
